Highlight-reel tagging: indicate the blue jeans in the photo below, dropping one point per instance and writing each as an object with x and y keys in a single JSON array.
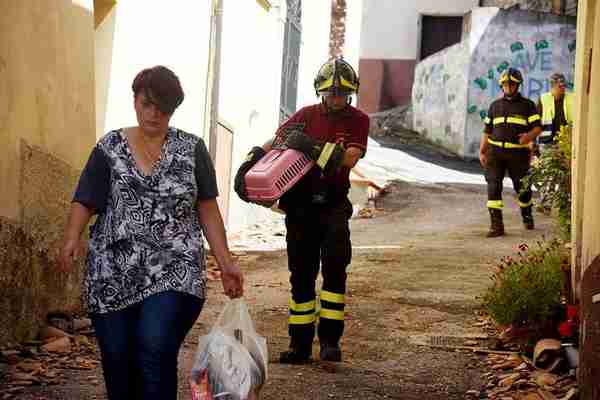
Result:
[{"x": 140, "y": 344}]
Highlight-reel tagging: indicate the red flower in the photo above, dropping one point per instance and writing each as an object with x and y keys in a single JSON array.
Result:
[{"x": 523, "y": 247}]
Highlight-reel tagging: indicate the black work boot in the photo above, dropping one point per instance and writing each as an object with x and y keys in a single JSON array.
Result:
[
  {"x": 330, "y": 352},
  {"x": 527, "y": 216},
  {"x": 298, "y": 353},
  {"x": 497, "y": 224}
]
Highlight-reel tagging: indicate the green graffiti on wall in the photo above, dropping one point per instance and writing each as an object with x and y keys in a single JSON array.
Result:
[
  {"x": 491, "y": 74},
  {"x": 502, "y": 67},
  {"x": 542, "y": 44},
  {"x": 516, "y": 46},
  {"x": 472, "y": 109},
  {"x": 572, "y": 46},
  {"x": 483, "y": 114},
  {"x": 482, "y": 83}
]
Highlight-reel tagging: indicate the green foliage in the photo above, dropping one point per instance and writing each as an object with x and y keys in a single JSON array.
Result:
[
  {"x": 527, "y": 290},
  {"x": 550, "y": 174}
]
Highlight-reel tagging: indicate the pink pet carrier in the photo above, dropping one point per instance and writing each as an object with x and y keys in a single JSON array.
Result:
[{"x": 275, "y": 174}]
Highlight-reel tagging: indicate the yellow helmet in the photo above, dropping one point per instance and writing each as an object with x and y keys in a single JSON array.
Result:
[
  {"x": 511, "y": 74},
  {"x": 336, "y": 77}
]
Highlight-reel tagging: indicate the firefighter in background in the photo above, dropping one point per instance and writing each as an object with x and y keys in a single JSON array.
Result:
[
  {"x": 556, "y": 110},
  {"x": 511, "y": 125},
  {"x": 333, "y": 134}
]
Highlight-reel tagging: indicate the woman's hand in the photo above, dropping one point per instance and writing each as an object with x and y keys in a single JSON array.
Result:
[
  {"x": 71, "y": 250},
  {"x": 233, "y": 280},
  {"x": 69, "y": 254}
]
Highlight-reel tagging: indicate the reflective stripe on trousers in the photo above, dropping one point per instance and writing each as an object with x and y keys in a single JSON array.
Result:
[
  {"x": 503, "y": 160},
  {"x": 318, "y": 239}
]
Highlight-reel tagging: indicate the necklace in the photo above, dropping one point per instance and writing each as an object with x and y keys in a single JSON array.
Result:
[{"x": 152, "y": 158}]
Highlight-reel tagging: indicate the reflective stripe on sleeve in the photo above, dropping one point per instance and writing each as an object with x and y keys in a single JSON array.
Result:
[{"x": 325, "y": 154}]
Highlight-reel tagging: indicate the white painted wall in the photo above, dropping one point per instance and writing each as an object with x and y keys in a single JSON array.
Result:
[
  {"x": 316, "y": 21},
  {"x": 480, "y": 20},
  {"x": 250, "y": 74},
  {"x": 390, "y": 27},
  {"x": 249, "y": 91},
  {"x": 354, "y": 13},
  {"x": 140, "y": 34}
]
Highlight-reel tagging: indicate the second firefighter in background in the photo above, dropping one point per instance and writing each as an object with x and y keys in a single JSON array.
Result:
[
  {"x": 333, "y": 134},
  {"x": 511, "y": 125}
]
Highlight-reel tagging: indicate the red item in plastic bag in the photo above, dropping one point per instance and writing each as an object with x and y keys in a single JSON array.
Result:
[{"x": 201, "y": 390}]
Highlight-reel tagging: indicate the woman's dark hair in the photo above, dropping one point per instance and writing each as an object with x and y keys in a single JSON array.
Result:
[{"x": 161, "y": 87}]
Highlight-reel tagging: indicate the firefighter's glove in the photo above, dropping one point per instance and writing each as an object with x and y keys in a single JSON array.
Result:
[
  {"x": 240, "y": 182},
  {"x": 328, "y": 156}
]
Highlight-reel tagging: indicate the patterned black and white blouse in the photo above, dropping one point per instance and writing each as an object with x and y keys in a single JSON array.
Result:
[{"x": 147, "y": 238}]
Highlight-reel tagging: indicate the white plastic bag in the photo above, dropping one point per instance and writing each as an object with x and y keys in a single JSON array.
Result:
[{"x": 231, "y": 361}]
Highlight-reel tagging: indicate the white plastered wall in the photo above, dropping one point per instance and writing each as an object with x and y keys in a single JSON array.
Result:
[
  {"x": 390, "y": 28},
  {"x": 139, "y": 34}
]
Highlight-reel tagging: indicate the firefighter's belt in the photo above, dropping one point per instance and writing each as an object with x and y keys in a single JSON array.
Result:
[{"x": 508, "y": 145}]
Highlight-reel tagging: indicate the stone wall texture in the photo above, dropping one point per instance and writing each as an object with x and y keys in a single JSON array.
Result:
[
  {"x": 29, "y": 282},
  {"x": 454, "y": 88},
  {"x": 562, "y": 7}
]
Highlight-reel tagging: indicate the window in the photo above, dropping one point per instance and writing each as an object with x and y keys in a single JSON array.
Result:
[{"x": 437, "y": 33}]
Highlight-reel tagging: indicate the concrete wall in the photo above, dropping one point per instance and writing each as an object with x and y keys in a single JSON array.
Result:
[
  {"x": 125, "y": 45},
  {"x": 354, "y": 16},
  {"x": 47, "y": 129},
  {"x": 389, "y": 47},
  {"x": 586, "y": 194},
  {"x": 250, "y": 70},
  {"x": 586, "y": 26},
  {"x": 315, "y": 46},
  {"x": 251, "y": 106},
  {"x": 538, "y": 44},
  {"x": 590, "y": 234},
  {"x": 440, "y": 98},
  {"x": 568, "y": 7},
  {"x": 251, "y": 67}
]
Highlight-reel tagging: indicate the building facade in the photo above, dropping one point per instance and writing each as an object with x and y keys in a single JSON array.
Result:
[
  {"x": 454, "y": 88},
  {"x": 395, "y": 36},
  {"x": 585, "y": 235},
  {"x": 47, "y": 130}
]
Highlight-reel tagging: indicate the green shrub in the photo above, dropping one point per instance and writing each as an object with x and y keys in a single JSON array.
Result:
[
  {"x": 550, "y": 174},
  {"x": 527, "y": 290}
]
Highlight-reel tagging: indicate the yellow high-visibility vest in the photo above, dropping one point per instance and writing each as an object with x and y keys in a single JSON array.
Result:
[{"x": 548, "y": 112}]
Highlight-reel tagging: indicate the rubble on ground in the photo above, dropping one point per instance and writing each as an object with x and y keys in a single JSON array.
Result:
[
  {"x": 264, "y": 236},
  {"x": 391, "y": 121},
  {"x": 45, "y": 362},
  {"x": 514, "y": 377},
  {"x": 548, "y": 375}
]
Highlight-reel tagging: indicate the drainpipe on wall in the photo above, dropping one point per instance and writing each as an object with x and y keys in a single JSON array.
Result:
[{"x": 211, "y": 101}]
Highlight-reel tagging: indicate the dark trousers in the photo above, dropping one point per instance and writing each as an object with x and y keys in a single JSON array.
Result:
[
  {"x": 140, "y": 344},
  {"x": 318, "y": 237},
  {"x": 516, "y": 163}
]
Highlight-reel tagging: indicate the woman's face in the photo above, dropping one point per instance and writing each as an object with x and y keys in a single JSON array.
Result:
[{"x": 150, "y": 119}]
